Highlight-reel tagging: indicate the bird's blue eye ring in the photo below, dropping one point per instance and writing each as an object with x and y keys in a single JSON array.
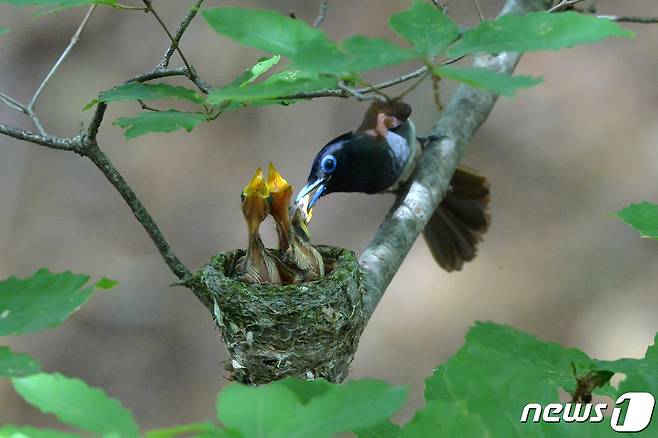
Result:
[{"x": 328, "y": 164}]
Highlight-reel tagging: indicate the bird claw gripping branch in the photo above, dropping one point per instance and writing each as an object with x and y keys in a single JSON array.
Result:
[{"x": 297, "y": 260}]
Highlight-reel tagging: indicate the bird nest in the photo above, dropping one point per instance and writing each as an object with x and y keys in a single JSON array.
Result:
[{"x": 272, "y": 331}]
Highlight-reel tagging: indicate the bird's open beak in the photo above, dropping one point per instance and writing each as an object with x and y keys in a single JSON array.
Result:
[{"x": 309, "y": 195}]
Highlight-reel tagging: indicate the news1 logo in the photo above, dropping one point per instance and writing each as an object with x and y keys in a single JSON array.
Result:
[{"x": 638, "y": 412}]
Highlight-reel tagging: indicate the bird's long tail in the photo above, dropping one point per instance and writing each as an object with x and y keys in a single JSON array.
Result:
[{"x": 460, "y": 221}]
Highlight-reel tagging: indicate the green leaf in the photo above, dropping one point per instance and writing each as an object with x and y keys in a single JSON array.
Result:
[
  {"x": 76, "y": 404},
  {"x": 426, "y": 27},
  {"x": 443, "y": 419},
  {"x": 32, "y": 432},
  {"x": 3, "y": 30},
  {"x": 263, "y": 29},
  {"x": 41, "y": 301},
  {"x": 105, "y": 283},
  {"x": 160, "y": 121},
  {"x": 499, "y": 370},
  {"x": 253, "y": 73},
  {"x": 355, "y": 54},
  {"x": 352, "y": 406},
  {"x": 257, "y": 412},
  {"x": 499, "y": 83},
  {"x": 138, "y": 90},
  {"x": 643, "y": 217},
  {"x": 321, "y": 411},
  {"x": 373, "y": 53},
  {"x": 306, "y": 390},
  {"x": 280, "y": 85},
  {"x": 383, "y": 430},
  {"x": 184, "y": 429},
  {"x": 17, "y": 365},
  {"x": 535, "y": 31},
  {"x": 58, "y": 5}
]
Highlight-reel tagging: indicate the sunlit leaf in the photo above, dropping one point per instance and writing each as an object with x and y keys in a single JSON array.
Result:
[
  {"x": 138, "y": 90},
  {"x": 159, "y": 121},
  {"x": 285, "y": 84},
  {"x": 254, "y": 72},
  {"x": 17, "y": 365},
  {"x": 32, "y": 432},
  {"x": 106, "y": 283},
  {"x": 536, "y": 31},
  {"x": 263, "y": 29},
  {"x": 426, "y": 27},
  {"x": 643, "y": 217},
  {"x": 41, "y": 301},
  {"x": 75, "y": 403},
  {"x": 499, "y": 83},
  {"x": 182, "y": 430}
]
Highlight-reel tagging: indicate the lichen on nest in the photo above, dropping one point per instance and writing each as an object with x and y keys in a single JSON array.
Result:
[{"x": 271, "y": 331}]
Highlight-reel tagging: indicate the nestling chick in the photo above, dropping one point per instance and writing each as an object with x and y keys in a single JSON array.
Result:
[
  {"x": 257, "y": 265},
  {"x": 302, "y": 260}
]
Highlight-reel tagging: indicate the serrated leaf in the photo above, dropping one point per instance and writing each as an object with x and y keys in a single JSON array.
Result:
[
  {"x": 138, "y": 90},
  {"x": 160, "y": 121},
  {"x": 263, "y": 29},
  {"x": 276, "y": 411},
  {"x": 17, "y": 365},
  {"x": 535, "y": 31},
  {"x": 354, "y": 55},
  {"x": 75, "y": 403},
  {"x": 3, "y": 30},
  {"x": 306, "y": 390},
  {"x": 106, "y": 283},
  {"x": 257, "y": 412},
  {"x": 9, "y": 431},
  {"x": 183, "y": 429},
  {"x": 499, "y": 83},
  {"x": 643, "y": 217},
  {"x": 352, "y": 406},
  {"x": 59, "y": 5},
  {"x": 41, "y": 301},
  {"x": 285, "y": 84},
  {"x": 425, "y": 27},
  {"x": 442, "y": 419}
]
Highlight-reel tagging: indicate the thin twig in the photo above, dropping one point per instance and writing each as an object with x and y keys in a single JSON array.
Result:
[
  {"x": 564, "y": 4},
  {"x": 640, "y": 20},
  {"x": 13, "y": 103},
  {"x": 324, "y": 6},
  {"x": 479, "y": 10},
  {"x": 149, "y": 8},
  {"x": 359, "y": 96},
  {"x": 49, "y": 141},
  {"x": 72, "y": 43},
  {"x": 420, "y": 80},
  {"x": 182, "y": 27}
]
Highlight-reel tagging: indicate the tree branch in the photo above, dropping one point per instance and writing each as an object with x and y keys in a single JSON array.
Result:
[
  {"x": 640, "y": 20},
  {"x": 466, "y": 112},
  {"x": 49, "y": 141},
  {"x": 182, "y": 27},
  {"x": 324, "y": 6}
]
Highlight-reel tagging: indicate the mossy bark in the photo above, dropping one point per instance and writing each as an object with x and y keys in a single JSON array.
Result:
[{"x": 271, "y": 331}]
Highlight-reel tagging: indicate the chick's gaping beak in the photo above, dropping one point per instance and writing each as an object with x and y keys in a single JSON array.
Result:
[{"x": 309, "y": 195}]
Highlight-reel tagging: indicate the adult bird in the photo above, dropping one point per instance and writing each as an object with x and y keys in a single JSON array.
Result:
[
  {"x": 300, "y": 260},
  {"x": 257, "y": 265},
  {"x": 380, "y": 156}
]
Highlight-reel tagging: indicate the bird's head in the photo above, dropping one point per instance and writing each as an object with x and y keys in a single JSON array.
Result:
[
  {"x": 280, "y": 191},
  {"x": 255, "y": 204},
  {"x": 357, "y": 161}
]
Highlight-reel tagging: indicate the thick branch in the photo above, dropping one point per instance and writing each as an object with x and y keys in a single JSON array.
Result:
[
  {"x": 49, "y": 141},
  {"x": 468, "y": 109}
]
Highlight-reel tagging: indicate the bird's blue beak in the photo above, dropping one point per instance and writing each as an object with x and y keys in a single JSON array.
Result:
[{"x": 308, "y": 196}]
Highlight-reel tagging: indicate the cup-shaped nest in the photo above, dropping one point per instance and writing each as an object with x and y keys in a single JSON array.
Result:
[{"x": 272, "y": 331}]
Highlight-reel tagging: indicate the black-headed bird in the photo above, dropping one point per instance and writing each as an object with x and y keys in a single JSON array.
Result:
[
  {"x": 302, "y": 262},
  {"x": 380, "y": 156},
  {"x": 257, "y": 265}
]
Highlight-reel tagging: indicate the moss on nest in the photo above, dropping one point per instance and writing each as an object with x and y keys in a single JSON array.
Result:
[{"x": 271, "y": 331}]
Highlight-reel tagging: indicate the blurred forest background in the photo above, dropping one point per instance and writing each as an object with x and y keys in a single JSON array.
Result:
[{"x": 560, "y": 158}]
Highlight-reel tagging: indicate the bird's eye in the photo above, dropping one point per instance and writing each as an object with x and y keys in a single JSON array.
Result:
[{"x": 328, "y": 164}]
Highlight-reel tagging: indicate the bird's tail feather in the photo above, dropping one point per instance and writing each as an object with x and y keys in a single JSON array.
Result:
[{"x": 458, "y": 224}]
